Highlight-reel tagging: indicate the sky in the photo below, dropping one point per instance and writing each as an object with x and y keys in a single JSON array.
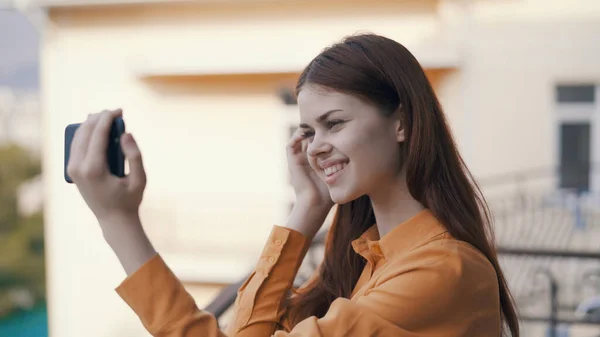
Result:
[{"x": 19, "y": 45}]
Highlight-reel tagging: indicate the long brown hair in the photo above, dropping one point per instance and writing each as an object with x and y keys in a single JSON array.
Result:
[{"x": 385, "y": 73}]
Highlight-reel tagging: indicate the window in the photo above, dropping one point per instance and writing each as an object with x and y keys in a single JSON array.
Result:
[
  {"x": 287, "y": 96},
  {"x": 575, "y": 156},
  {"x": 576, "y": 93},
  {"x": 578, "y": 128}
]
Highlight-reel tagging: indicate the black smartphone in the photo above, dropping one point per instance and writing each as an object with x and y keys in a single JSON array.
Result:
[{"x": 115, "y": 157}]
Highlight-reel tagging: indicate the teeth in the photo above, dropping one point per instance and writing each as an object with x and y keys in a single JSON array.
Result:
[{"x": 333, "y": 169}]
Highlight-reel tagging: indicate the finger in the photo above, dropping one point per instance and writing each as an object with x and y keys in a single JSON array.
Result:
[
  {"x": 96, "y": 153},
  {"x": 294, "y": 147},
  {"x": 81, "y": 139},
  {"x": 137, "y": 174},
  {"x": 297, "y": 136},
  {"x": 304, "y": 145}
]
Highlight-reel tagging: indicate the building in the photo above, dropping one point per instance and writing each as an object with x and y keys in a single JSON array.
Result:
[{"x": 200, "y": 83}]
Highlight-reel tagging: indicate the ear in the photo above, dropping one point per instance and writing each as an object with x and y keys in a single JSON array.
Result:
[
  {"x": 399, "y": 126},
  {"x": 400, "y": 135}
]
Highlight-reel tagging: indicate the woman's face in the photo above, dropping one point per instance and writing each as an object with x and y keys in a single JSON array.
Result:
[{"x": 351, "y": 145}]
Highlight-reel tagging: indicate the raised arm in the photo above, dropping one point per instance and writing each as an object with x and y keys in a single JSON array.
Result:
[{"x": 166, "y": 309}]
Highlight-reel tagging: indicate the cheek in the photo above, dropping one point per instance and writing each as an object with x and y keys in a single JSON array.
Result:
[
  {"x": 367, "y": 147},
  {"x": 370, "y": 167},
  {"x": 375, "y": 159}
]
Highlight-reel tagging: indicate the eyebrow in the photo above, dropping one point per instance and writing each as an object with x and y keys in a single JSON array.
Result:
[{"x": 320, "y": 118}]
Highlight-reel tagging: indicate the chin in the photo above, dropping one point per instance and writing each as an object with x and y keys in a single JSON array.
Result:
[{"x": 340, "y": 196}]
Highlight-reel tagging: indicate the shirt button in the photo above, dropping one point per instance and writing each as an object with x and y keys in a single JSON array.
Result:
[
  {"x": 278, "y": 242},
  {"x": 272, "y": 259}
]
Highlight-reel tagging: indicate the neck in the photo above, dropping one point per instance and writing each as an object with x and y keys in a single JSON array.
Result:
[{"x": 393, "y": 204}]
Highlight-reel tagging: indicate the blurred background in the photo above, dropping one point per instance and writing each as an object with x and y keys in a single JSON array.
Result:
[{"x": 206, "y": 88}]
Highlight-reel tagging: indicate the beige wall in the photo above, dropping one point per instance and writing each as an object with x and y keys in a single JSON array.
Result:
[
  {"x": 213, "y": 144},
  {"x": 510, "y": 80}
]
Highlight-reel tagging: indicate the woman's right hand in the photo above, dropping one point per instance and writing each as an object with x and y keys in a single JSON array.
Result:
[
  {"x": 114, "y": 201},
  {"x": 313, "y": 200}
]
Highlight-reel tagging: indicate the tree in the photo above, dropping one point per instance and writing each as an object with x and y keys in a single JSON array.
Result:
[
  {"x": 22, "y": 273},
  {"x": 8, "y": 111}
]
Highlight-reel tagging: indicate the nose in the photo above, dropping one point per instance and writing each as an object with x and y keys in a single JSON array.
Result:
[{"x": 318, "y": 146}]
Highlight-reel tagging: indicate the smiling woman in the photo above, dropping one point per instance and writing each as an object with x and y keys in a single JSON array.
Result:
[
  {"x": 354, "y": 137},
  {"x": 409, "y": 252}
]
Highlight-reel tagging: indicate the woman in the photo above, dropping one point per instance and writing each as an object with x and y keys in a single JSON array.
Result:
[{"x": 410, "y": 252}]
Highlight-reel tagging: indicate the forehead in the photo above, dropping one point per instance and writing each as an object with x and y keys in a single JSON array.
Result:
[{"x": 314, "y": 101}]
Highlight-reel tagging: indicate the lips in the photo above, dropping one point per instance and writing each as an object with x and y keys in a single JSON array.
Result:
[{"x": 333, "y": 171}]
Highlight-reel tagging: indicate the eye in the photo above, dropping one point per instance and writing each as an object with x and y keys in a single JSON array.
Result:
[
  {"x": 332, "y": 123},
  {"x": 308, "y": 134}
]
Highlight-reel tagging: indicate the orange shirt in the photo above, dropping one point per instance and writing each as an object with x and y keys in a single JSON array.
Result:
[{"x": 418, "y": 281}]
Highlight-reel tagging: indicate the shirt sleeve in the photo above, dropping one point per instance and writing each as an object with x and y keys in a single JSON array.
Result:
[
  {"x": 166, "y": 309},
  {"x": 434, "y": 294}
]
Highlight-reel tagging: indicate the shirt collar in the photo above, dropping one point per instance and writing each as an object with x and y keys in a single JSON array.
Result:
[{"x": 403, "y": 238}]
